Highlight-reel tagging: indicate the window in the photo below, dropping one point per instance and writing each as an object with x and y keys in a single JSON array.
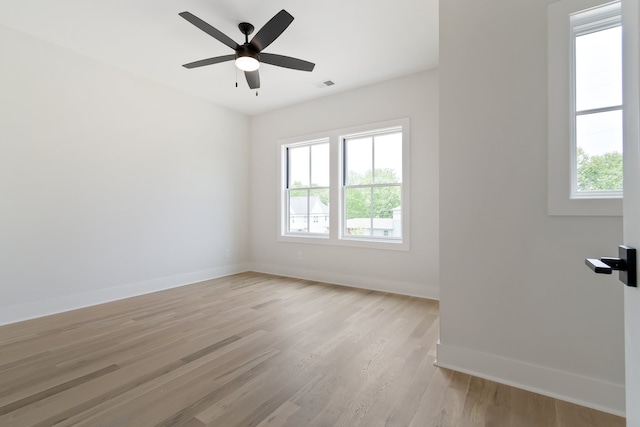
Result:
[
  {"x": 347, "y": 187},
  {"x": 597, "y": 103},
  {"x": 584, "y": 108},
  {"x": 307, "y": 187},
  {"x": 372, "y": 185}
]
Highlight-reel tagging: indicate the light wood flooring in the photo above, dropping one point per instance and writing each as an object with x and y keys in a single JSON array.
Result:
[{"x": 254, "y": 350}]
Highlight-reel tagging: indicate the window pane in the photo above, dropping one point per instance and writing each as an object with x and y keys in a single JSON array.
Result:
[
  {"x": 319, "y": 211},
  {"x": 599, "y": 69},
  {"x": 599, "y": 151},
  {"x": 299, "y": 167},
  {"x": 320, "y": 165},
  {"x": 358, "y": 211},
  {"x": 359, "y": 158},
  {"x": 388, "y": 158},
  {"x": 387, "y": 212}
]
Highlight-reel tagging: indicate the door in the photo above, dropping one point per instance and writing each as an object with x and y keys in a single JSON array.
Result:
[{"x": 631, "y": 83}]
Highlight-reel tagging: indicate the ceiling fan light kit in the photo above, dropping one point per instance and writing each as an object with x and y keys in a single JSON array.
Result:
[
  {"x": 247, "y": 63},
  {"x": 249, "y": 55}
]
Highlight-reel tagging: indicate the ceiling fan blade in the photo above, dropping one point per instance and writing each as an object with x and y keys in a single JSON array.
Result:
[
  {"x": 253, "y": 79},
  {"x": 286, "y": 62},
  {"x": 213, "y": 32},
  {"x": 271, "y": 30},
  {"x": 209, "y": 61}
]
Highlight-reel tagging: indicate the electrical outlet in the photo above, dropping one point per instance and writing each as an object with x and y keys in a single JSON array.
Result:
[
  {"x": 227, "y": 253},
  {"x": 299, "y": 255}
]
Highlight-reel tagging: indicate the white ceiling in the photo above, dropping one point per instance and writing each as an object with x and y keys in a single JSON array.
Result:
[{"x": 352, "y": 42}]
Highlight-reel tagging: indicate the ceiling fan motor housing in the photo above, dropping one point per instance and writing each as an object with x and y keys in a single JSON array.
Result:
[{"x": 246, "y": 50}]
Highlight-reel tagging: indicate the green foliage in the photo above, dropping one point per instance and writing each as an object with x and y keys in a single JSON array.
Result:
[
  {"x": 359, "y": 200},
  {"x": 384, "y": 200},
  {"x": 298, "y": 193},
  {"x": 383, "y": 176},
  {"x": 358, "y": 203},
  {"x": 600, "y": 172},
  {"x": 322, "y": 194}
]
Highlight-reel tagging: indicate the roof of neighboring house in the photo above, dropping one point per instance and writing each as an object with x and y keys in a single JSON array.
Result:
[{"x": 298, "y": 206}]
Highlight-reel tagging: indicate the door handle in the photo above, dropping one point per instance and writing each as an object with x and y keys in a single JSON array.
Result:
[
  {"x": 625, "y": 264},
  {"x": 598, "y": 266}
]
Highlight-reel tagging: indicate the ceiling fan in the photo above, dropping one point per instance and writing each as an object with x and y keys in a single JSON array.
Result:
[{"x": 249, "y": 55}]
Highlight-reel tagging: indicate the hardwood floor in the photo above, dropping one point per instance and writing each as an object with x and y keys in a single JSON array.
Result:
[{"x": 254, "y": 350}]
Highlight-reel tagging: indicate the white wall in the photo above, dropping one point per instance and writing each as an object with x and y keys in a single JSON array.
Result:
[
  {"x": 110, "y": 184},
  {"x": 414, "y": 272},
  {"x": 517, "y": 302}
]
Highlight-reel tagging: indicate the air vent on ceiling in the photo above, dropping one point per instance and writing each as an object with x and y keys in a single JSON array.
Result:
[{"x": 324, "y": 83}]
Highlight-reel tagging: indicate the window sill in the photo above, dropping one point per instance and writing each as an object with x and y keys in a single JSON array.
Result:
[
  {"x": 307, "y": 238},
  {"x": 585, "y": 207},
  {"x": 347, "y": 242}
]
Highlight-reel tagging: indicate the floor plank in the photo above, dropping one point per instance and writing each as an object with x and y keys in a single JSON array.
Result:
[{"x": 254, "y": 350}]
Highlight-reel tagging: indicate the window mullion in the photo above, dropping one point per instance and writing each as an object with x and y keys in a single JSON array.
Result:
[
  {"x": 599, "y": 110},
  {"x": 391, "y": 184},
  {"x": 308, "y": 210},
  {"x": 373, "y": 160},
  {"x": 371, "y": 211},
  {"x": 309, "y": 191},
  {"x": 373, "y": 180}
]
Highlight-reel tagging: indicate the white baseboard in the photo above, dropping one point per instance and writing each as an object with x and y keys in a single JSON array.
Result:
[
  {"x": 422, "y": 290},
  {"x": 585, "y": 391},
  {"x": 13, "y": 314}
]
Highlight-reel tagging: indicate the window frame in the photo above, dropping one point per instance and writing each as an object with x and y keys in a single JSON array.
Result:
[
  {"x": 344, "y": 185},
  {"x": 562, "y": 151},
  {"x": 336, "y": 204},
  {"x": 286, "y": 219},
  {"x": 582, "y": 23}
]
